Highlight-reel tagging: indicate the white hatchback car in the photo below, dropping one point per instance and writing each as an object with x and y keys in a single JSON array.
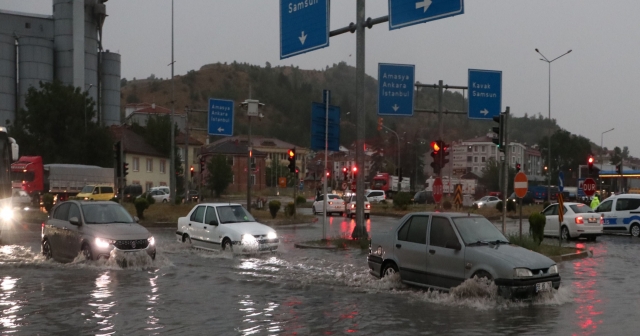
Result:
[
  {"x": 335, "y": 204},
  {"x": 487, "y": 201},
  {"x": 160, "y": 196},
  {"x": 226, "y": 227},
  {"x": 579, "y": 221},
  {"x": 351, "y": 207},
  {"x": 375, "y": 195}
]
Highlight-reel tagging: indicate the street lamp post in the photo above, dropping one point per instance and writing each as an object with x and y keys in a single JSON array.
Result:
[
  {"x": 398, "y": 143},
  {"x": 601, "y": 144},
  {"x": 545, "y": 59}
]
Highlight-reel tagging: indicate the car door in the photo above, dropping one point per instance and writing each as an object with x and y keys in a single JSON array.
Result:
[
  {"x": 610, "y": 218},
  {"x": 196, "y": 224},
  {"x": 552, "y": 225},
  {"x": 211, "y": 234},
  {"x": 56, "y": 234},
  {"x": 445, "y": 263},
  {"x": 411, "y": 249},
  {"x": 320, "y": 203},
  {"x": 74, "y": 233}
]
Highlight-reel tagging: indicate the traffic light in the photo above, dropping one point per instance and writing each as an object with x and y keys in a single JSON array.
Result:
[
  {"x": 345, "y": 172},
  {"x": 292, "y": 160},
  {"x": 202, "y": 162},
  {"x": 499, "y": 131},
  {"x": 379, "y": 124},
  {"x": 354, "y": 171},
  {"x": 125, "y": 169},
  {"x": 435, "y": 154},
  {"x": 443, "y": 154},
  {"x": 328, "y": 174},
  {"x": 192, "y": 169},
  {"x": 517, "y": 167},
  {"x": 116, "y": 157},
  {"x": 296, "y": 170},
  {"x": 590, "y": 163}
]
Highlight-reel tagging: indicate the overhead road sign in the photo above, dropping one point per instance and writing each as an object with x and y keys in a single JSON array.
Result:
[
  {"x": 220, "y": 117},
  {"x": 485, "y": 94},
  {"x": 304, "y": 26},
  {"x": 520, "y": 184},
  {"x": 318, "y": 127},
  {"x": 395, "y": 89},
  {"x": 404, "y": 13}
]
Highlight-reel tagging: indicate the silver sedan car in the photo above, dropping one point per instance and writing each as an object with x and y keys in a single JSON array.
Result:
[
  {"x": 442, "y": 250},
  {"x": 96, "y": 229}
]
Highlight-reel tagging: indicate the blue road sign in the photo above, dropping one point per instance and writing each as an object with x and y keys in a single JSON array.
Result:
[
  {"x": 561, "y": 181},
  {"x": 304, "y": 26},
  {"x": 318, "y": 124},
  {"x": 404, "y": 13},
  {"x": 220, "y": 117},
  {"x": 485, "y": 94},
  {"x": 395, "y": 89}
]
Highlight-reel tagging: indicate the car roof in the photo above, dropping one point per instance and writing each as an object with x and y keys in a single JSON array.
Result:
[
  {"x": 623, "y": 195},
  {"x": 218, "y": 204},
  {"x": 446, "y": 214}
]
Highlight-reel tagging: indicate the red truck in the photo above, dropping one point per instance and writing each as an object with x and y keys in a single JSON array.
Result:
[
  {"x": 61, "y": 180},
  {"x": 389, "y": 183}
]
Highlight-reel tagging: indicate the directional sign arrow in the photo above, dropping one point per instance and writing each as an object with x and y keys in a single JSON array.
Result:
[
  {"x": 423, "y": 4},
  {"x": 395, "y": 107},
  {"x": 302, "y": 37},
  {"x": 485, "y": 112},
  {"x": 220, "y": 129}
]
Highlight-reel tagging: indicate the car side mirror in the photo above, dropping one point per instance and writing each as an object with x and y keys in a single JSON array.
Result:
[
  {"x": 453, "y": 245},
  {"x": 74, "y": 221},
  {"x": 213, "y": 222},
  {"x": 136, "y": 219}
]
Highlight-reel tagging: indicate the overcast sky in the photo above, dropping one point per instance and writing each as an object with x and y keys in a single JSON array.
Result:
[{"x": 593, "y": 89}]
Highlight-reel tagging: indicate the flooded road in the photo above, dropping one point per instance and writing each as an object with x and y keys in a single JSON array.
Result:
[{"x": 186, "y": 291}]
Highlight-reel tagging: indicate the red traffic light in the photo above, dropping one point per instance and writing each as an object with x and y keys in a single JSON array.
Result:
[
  {"x": 291, "y": 153},
  {"x": 344, "y": 169},
  {"x": 192, "y": 168},
  {"x": 590, "y": 160},
  {"x": 435, "y": 146},
  {"x": 354, "y": 169}
]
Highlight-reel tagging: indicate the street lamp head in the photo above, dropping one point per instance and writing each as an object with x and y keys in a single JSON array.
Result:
[
  {"x": 569, "y": 51},
  {"x": 537, "y": 50}
]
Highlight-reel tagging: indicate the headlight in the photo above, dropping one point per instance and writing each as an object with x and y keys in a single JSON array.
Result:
[
  {"x": 86, "y": 198},
  {"x": 6, "y": 214},
  {"x": 553, "y": 269},
  {"x": 272, "y": 235},
  {"x": 248, "y": 239},
  {"x": 104, "y": 243},
  {"x": 522, "y": 272},
  {"x": 152, "y": 241},
  {"x": 479, "y": 203}
]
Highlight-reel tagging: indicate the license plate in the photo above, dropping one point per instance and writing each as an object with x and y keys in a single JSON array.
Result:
[
  {"x": 543, "y": 286},
  {"x": 593, "y": 220}
]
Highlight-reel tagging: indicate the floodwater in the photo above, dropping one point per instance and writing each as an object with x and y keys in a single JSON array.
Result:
[{"x": 296, "y": 292}]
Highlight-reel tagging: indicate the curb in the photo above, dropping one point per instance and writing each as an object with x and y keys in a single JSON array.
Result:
[
  {"x": 305, "y": 246},
  {"x": 573, "y": 256}
]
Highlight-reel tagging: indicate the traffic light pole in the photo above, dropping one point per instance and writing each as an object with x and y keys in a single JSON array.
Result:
[
  {"x": 398, "y": 156},
  {"x": 326, "y": 149},
  {"x": 505, "y": 169}
]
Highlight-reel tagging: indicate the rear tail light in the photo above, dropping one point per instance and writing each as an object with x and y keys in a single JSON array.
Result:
[
  {"x": 602, "y": 219},
  {"x": 579, "y": 220},
  {"x": 353, "y": 206},
  {"x": 368, "y": 206}
]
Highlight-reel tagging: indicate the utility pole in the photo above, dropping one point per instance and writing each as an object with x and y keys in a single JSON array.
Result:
[
  {"x": 186, "y": 155},
  {"x": 360, "y": 232},
  {"x": 505, "y": 169},
  {"x": 172, "y": 169}
]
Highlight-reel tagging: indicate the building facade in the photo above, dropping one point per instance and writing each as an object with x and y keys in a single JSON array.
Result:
[
  {"x": 235, "y": 152},
  {"x": 140, "y": 114},
  {"x": 472, "y": 156}
]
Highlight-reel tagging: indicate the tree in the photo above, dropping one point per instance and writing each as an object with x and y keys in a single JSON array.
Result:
[
  {"x": 220, "y": 174},
  {"x": 491, "y": 177},
  {"x": 568, "y": 151},
  {"x": 53, "y": 126}
]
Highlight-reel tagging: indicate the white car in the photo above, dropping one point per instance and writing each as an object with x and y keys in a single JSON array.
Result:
[
  {"x": 351, "y": 207},
  {"x": 225, "y": 227},
  {"x": 375, "y": 195},
  {"x": 579, "y": 221},
  {"x": 487, "y": 201},
  {"x": 335, "y": 204},
  {"x": 159, "y": 196},
  {"x": 161, "y": 188},
  {"x": 620, "y": 214}
]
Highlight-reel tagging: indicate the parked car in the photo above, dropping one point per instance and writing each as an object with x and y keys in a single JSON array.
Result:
[
  {"x": 350, "y": 207},
  {"x": 620, "y": 214},
  {"x": 526, "y": 200},
  {"x": 375, "y": 195},
  {"x": 96, "y": 193},
  {"x": 442, "y": 250},
  {"x": 422, "y": 197},
  {"x": 579, "y": 221},
  {"x": 131, "y": 192},
  {"x": 160, "y": 196},
  {"x": 161, "y": 188},
  {"x": 335, "y": 204},
  {"x": 96, "y": 229},
  {"x": 194, "y": 196},
  {"x": 486, "y": 201},
  {"x": 226, "y": 227}
]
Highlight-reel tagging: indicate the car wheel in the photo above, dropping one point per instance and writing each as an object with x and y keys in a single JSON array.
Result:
[
  {"x": 313, "y": 210},
  {"x": 341, "y": 214},
  {"x": 482, "y": 274},
  {"x": 86, "y": 251},
  {"x": 635, "y": 230},
  {"x": 46, "y": 249},
  {"x": 389, "y": 269},
  {"x": 564, "y": 233},
  {"x": 186, "y": 239},
  {"x": 226, "y": 245},
  {"x": 164, "y": 200}
]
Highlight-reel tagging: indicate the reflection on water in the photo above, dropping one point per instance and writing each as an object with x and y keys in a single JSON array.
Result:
[
  {"x": 102, "y": 303},
  {"x": 258, "y": 319},
  {"x": 9, "y": 305},
  {"x": 588, "y": 298},
  {"x": 153, "y": 322}
]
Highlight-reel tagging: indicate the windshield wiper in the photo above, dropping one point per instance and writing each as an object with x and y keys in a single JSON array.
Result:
[
  {"x": 498, "y": 242},
  {"x": 232, "y": 221},
  {"x": 479, "y": 242}
]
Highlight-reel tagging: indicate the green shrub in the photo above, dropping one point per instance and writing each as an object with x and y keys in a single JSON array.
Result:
[
  {"x": 511, "y": 206},
  {"x": 545, "y": 204},
  {"x": 289, "y": 209},
  {"x": 47, "y": 201},
  {"x": 178, "y": 200},
  {"x": 141, "y": 205},
  {"x": 446, "y": 205},
  {"x": 301, "y": 200},
  {"x": 115, "y": 199},
  {"x": 537, "y": 222},
  {"x": 384, "y": 201},
  {"x": 149, "y": 198},
  {"x": 274, "y": 207},
  {"x": 499, "y": 206},
  {"x": 474, "y": 206},
  {"x": 401, "y": 200}
]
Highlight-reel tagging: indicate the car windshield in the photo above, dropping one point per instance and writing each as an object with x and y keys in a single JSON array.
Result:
[
  {"x": 333, "y": 196},
  {"x": 486, "y": 198},
  {"x": 87, "y": 189},
  {"x": 104, "y": 213},
  {"x": 234, "y": 214},
  {"x": 477, "y": 229},
  {"x": 580, "y": 208}
]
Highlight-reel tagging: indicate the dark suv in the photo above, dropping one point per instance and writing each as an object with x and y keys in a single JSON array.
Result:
[
  {"x": 131, "y": 192},
  {"x": 526, "y": 200}
]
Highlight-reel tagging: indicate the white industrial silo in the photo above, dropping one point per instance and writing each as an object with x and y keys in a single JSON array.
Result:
[
  {"x": 35, "y": 64},
  {"x": 110, "y": 88},
  {"x": 7, "y": 78}
]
